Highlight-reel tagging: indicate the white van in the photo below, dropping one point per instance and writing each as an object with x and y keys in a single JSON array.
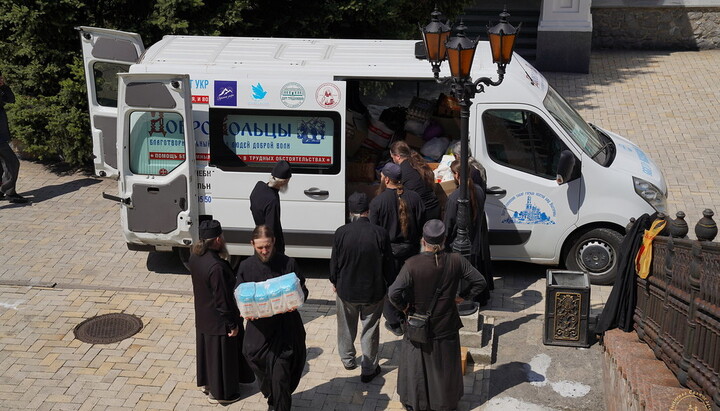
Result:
[{"x": 202, "y": 119}]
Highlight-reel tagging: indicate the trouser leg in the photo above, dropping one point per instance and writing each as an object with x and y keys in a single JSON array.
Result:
[
  {"x": 347, "y": 322},
  {"x": 392, "y": 315},
  {"x": 10, "y": 167},
  {"x": 370, "y": 335}
]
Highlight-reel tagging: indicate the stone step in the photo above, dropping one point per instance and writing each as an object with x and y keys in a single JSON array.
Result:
[{"x": 478, "y": 341}]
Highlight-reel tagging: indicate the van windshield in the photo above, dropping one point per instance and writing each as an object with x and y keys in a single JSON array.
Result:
[{"x": 573, "y": 123}]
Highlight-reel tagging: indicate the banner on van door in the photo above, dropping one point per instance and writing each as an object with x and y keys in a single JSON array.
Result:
[{"x": 269, "y": 138}]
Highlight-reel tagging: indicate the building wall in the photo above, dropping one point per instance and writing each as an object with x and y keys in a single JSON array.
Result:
[{"x": 658, "y": 28}]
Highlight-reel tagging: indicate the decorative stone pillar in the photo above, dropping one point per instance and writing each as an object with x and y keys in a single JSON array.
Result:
[{"x": 564, "y": 36}]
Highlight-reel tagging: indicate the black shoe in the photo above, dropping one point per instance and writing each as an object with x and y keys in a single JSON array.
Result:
[
  {"x": 2, "y": 196},
  {"x": 234, "y": 398},
  {"x": 369, "y": 377},
  {"x": 397, "y": 329},
  {"x": 351, "y": 366},
  {"x": 17, "y": 199}
]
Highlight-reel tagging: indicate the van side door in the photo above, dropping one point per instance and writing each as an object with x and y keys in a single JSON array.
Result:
[
  {"x": 520, "y": 154},
  {"x": 254, "y": 122},
  {"x": 105, "y": 54},
  {"x": 157, "y": 159}
]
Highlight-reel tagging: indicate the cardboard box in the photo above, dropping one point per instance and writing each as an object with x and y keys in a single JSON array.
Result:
[
  {"x": 451, "y": 125},
  {"x": 414, "y": 141},
  {"x": 448, "y": 186},
  {"x": 361, "y": 172}
]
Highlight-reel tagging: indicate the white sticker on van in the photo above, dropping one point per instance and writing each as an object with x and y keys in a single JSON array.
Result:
[{"x": 538, "y": 209}]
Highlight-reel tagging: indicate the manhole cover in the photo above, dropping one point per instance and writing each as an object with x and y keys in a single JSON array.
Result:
[{"x": 108, "y": 328}]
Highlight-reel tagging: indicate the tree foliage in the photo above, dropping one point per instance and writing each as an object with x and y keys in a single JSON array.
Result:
[{"x": 42, "y": 59}]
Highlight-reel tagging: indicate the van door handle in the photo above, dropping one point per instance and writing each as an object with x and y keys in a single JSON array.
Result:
[
  {"x": 125, "y": 201},
  {"x": 316, "y": 192},
  {"x": 496, "y": 191}
]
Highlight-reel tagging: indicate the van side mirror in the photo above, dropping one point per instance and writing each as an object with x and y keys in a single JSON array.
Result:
[{"x": 565, "y": 167}]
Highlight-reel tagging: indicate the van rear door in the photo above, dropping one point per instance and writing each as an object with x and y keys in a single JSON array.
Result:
[
  {"x": 157, "y": 160},
  {"x": 106, "y": 53}
]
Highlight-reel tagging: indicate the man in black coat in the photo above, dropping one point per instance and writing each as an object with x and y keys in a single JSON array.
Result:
[
  {"x": 219, "y": 333},
  {"x": 265, "y": 202},
  {"x": 9, "y": 163},
  {"x": 361, "y": 268},
  {"x": 274, "y": 346}
]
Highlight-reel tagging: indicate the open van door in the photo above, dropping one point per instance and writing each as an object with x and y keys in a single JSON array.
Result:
[
  {"x": 106, "y": 53},
  {"x": 158, "y": 190}
]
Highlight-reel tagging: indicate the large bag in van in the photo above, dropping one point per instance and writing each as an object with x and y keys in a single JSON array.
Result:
[{"x": 379, "y": 134}]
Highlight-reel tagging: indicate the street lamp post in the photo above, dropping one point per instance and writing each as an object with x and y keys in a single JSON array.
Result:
[{"x": 459, "y": 51}]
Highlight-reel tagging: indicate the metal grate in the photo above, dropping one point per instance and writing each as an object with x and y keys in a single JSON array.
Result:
[{"x": 108, "y": 328}]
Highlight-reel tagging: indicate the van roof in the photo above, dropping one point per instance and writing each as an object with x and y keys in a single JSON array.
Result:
[{"x": 331, "y": 59}]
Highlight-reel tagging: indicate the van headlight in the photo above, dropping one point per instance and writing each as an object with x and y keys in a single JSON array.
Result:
[{"x": 651, "y": 194}]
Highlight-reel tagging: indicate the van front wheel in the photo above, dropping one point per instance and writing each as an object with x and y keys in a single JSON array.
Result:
[{"x": 596, "y": 251}]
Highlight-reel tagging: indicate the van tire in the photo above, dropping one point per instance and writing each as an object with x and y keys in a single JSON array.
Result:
[
  {"x": 596, "y": 252},
  {"x": 183, "y": 254}
]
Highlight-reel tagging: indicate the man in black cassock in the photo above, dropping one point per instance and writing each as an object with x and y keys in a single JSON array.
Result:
[
  {"x": 220, "y": 363},
  {"x": 274, "y": 346},
  {"x": 265, "y": 202},
  {"x": 429, "y": 375}
]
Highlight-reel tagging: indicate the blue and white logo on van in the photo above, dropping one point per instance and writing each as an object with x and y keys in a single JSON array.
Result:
[
  {"x": 311, "y": 131},
  {"x": 258, "y": 93},
  {"x": 538, "y": 209},
  {"x": 292, "y": 95},
  {"x": 226, "y": 93},
  {"x": 644, "y": 161}
]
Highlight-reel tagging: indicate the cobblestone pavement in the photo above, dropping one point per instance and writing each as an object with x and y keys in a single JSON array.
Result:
[{"x": 63, "y": 260}]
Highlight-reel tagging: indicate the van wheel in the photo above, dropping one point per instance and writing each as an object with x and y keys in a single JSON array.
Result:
[
  {"x": 183, "y": 254},
  {"x": 596, "y": 251}
]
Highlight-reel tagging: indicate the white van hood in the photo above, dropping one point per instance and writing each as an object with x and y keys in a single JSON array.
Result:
[{"x": 633, "y": 160}]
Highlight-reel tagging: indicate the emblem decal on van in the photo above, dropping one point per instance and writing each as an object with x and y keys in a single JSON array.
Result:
[
  {"x": 327, "y": 95},
  {"x": 258, "y": 93},
  {"x": 538, "y": 210},
  {"x": 292, "y": 95},
  {"x": 226, "y": 93}
]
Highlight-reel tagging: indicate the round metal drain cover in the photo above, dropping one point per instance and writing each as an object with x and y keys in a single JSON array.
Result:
[{"x": 108, "y": 328}]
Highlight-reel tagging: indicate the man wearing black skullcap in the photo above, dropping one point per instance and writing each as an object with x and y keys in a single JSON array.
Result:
[
  {"x": 429, "y": 374},
  {"x": 265, "y": 201},
  {"x": 219, "y": 332},
  {"x": 401, "y": 212},
  {"x": 361, "y": 268}
]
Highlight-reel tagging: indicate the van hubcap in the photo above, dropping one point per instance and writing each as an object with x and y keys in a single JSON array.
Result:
[{"x": 596, "y": 256}]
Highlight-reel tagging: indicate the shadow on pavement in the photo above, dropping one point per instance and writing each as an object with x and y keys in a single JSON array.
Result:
[
  {"x": 44, "y": 193},
  {"x": 365, "y": 393},
  {"x": 506, "y": 327},
  {"x": 510, "y": 375}
]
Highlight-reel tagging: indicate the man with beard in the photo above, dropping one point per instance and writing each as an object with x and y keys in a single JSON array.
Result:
[
  {"x": 274, "y": 346},
  {"x": 265, "y": 201},
  {"x": 219, "y": 333}
]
